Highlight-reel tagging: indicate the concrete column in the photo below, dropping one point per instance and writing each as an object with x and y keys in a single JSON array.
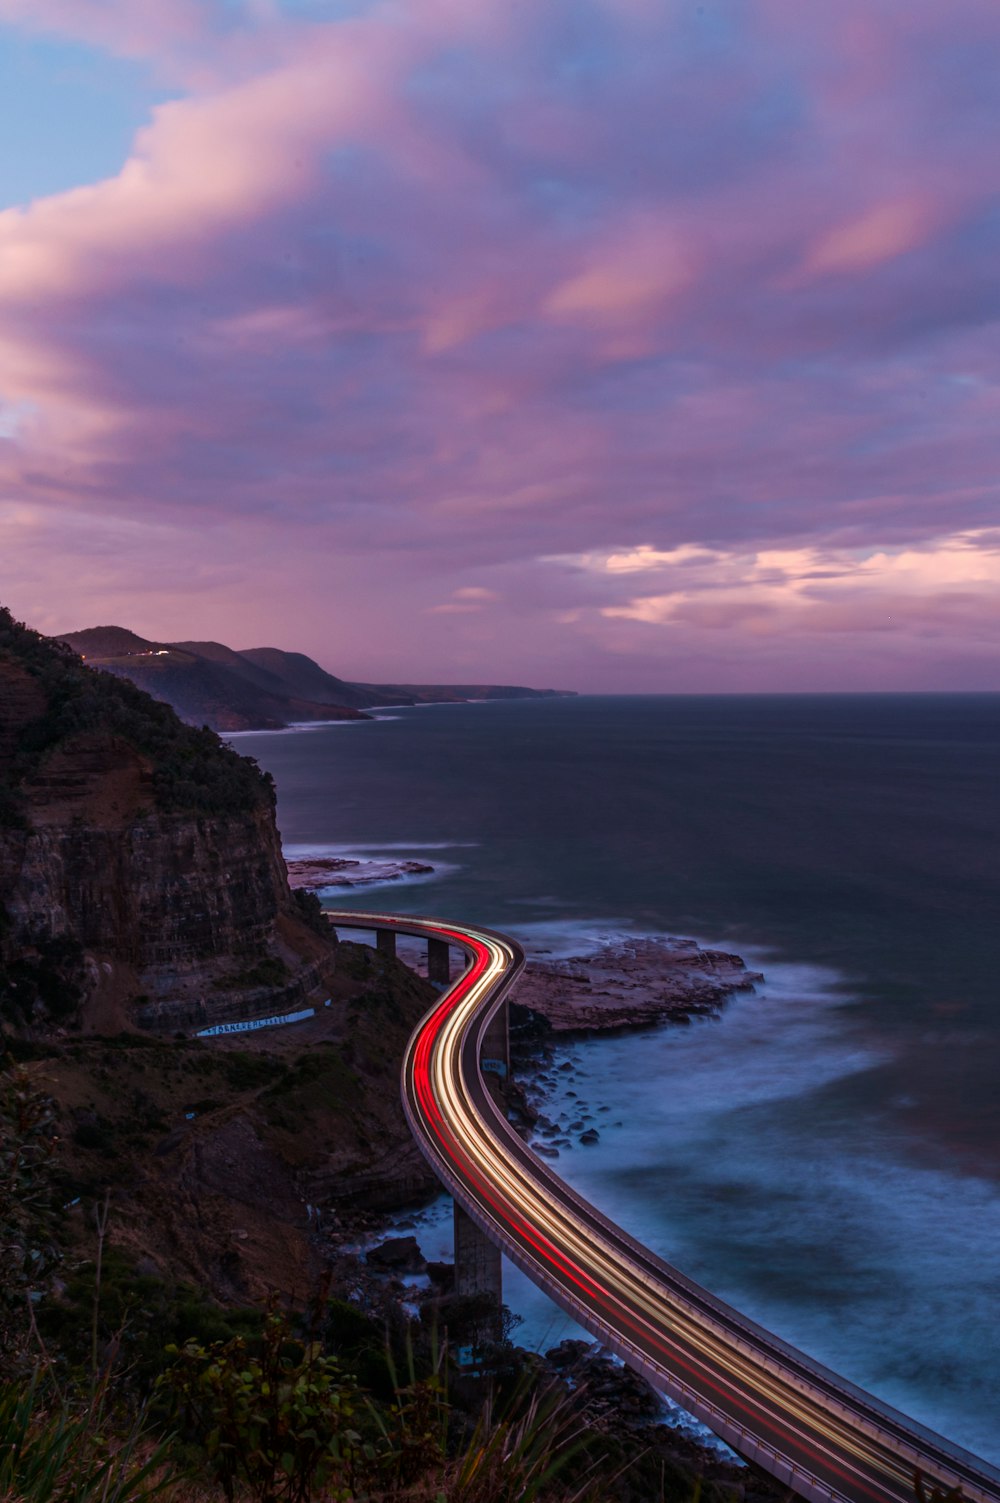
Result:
[
  {"x": 438, "y": 966},
  {"x": 385, "y": 942},
  {"x": 477, "y": 1260},
  {"x": 495, "y": 1055}
]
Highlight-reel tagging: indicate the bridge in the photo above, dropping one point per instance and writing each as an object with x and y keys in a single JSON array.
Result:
[{"x": 822, "y": 1436}]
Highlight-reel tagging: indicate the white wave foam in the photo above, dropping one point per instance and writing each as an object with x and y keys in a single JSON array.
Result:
[
  {"x": 290, "y": 730},
  {"x": 309, "y": 851},
  {"x": 562, "y": 938},
  {"x": 373, "y": 875},
  {"x": 739, "y": 1149}
]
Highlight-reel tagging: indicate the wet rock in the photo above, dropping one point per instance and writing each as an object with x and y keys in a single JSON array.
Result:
[
  {"x": 442, "y": 1276},
  {"x": 590, "y": 1137},
  {"x": 397, "y": 1255},
  {"x": 632, "y": 984},
  {"x": 345, "y": 871},
  {"x": 568, "y": 1354}
]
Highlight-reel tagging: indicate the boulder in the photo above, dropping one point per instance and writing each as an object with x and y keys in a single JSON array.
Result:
[{"x": 397, "y": 1255}]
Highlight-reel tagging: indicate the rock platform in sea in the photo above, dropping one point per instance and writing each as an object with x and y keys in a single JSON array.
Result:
[
  {"x": 315, "y": 873},
  {"x": 632, "y": 983}
]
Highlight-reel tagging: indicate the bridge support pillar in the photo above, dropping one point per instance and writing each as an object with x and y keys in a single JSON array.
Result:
[
  {"x": 477, "y": 1260},
  {"x": 438, "y": 964},
  {"x": 385, "y": 942},
  {"x": 495, "y": 1057}
]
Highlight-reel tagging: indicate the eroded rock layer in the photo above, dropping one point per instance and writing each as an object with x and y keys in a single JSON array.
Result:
[{"x": 141, "y": 876}]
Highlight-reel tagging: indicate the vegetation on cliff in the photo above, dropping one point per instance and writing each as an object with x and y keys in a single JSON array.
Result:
[
  {"x": 117, "y": 1383},
  {"x": 192, "y": 769}
]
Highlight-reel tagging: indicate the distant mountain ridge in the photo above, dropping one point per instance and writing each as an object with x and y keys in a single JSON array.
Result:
[{"x": 262, "y": 688}]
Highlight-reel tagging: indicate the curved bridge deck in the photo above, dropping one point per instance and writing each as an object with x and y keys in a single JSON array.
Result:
[{"x": 809, "y": 1428}]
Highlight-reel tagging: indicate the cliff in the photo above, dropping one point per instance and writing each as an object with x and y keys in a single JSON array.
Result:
[
  {"x": 206, "y": 683},
  {"x": 262, "y": 688},
  {"x": 143, "y": 894},
  {"x": 141, "y": 877},
  {"x": 212, "y": 1149}
]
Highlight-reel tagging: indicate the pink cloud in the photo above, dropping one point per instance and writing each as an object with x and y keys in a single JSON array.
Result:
[
  {"x": 201, "y": 168},
  {"x": 882, "y": 233},
  {"x": 641, "y": 269},
  {"x": 951, "y": 583},
  {"x": 496, "y": 286}
]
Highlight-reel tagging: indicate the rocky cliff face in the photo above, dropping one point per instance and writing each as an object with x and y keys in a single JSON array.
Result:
[{"x": 141, "y": 877}]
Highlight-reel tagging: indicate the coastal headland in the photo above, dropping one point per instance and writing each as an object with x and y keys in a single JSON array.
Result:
[{"x": 258, "y": 688}]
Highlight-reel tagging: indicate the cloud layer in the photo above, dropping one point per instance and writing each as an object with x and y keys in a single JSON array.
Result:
[{"x": 397, "y": 314}]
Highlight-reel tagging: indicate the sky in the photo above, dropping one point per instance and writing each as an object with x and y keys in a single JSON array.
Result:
[{"x": 613, "y": 345}]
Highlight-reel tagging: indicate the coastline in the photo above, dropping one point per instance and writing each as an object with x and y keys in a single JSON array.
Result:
[
  {"x": 702, "y": 1169},
  {"x": 808, "y": 1153},
  {"x": 321, "y": 873},
  {"x": 626, "y": 982},
  {"x": 625, "y": 986}
]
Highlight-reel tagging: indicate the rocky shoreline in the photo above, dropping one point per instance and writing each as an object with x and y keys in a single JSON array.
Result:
[
  {"x": 319, "y": 872},
  {"x": 631, "y": 983},
  {"x": 374, "y": 1257},
  {"x": 377, "y": 1265}
]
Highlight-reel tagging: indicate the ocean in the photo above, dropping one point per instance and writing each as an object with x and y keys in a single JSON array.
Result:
[{"x": 825, "y": 1154}]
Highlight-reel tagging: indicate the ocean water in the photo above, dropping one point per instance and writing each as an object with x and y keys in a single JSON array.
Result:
[{"x": 826, "y": 1154}]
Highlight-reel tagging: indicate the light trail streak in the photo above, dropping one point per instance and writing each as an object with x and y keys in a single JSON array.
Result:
[{"x": 810, "y": 1428}]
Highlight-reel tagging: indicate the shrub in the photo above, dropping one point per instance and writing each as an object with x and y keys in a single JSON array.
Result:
[
  {"x": 271, "y": 971},
  {"x": 138, "y": 1316},
  {"x": 312, "y": 912},
  {"x": 28, "y": 1251},
  {"x": 48, "y": 974},
  {"x": 281, "y": 1422}
]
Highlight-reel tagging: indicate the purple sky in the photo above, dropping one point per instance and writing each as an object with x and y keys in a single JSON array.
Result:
[{"x": 609, "y": 344}]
